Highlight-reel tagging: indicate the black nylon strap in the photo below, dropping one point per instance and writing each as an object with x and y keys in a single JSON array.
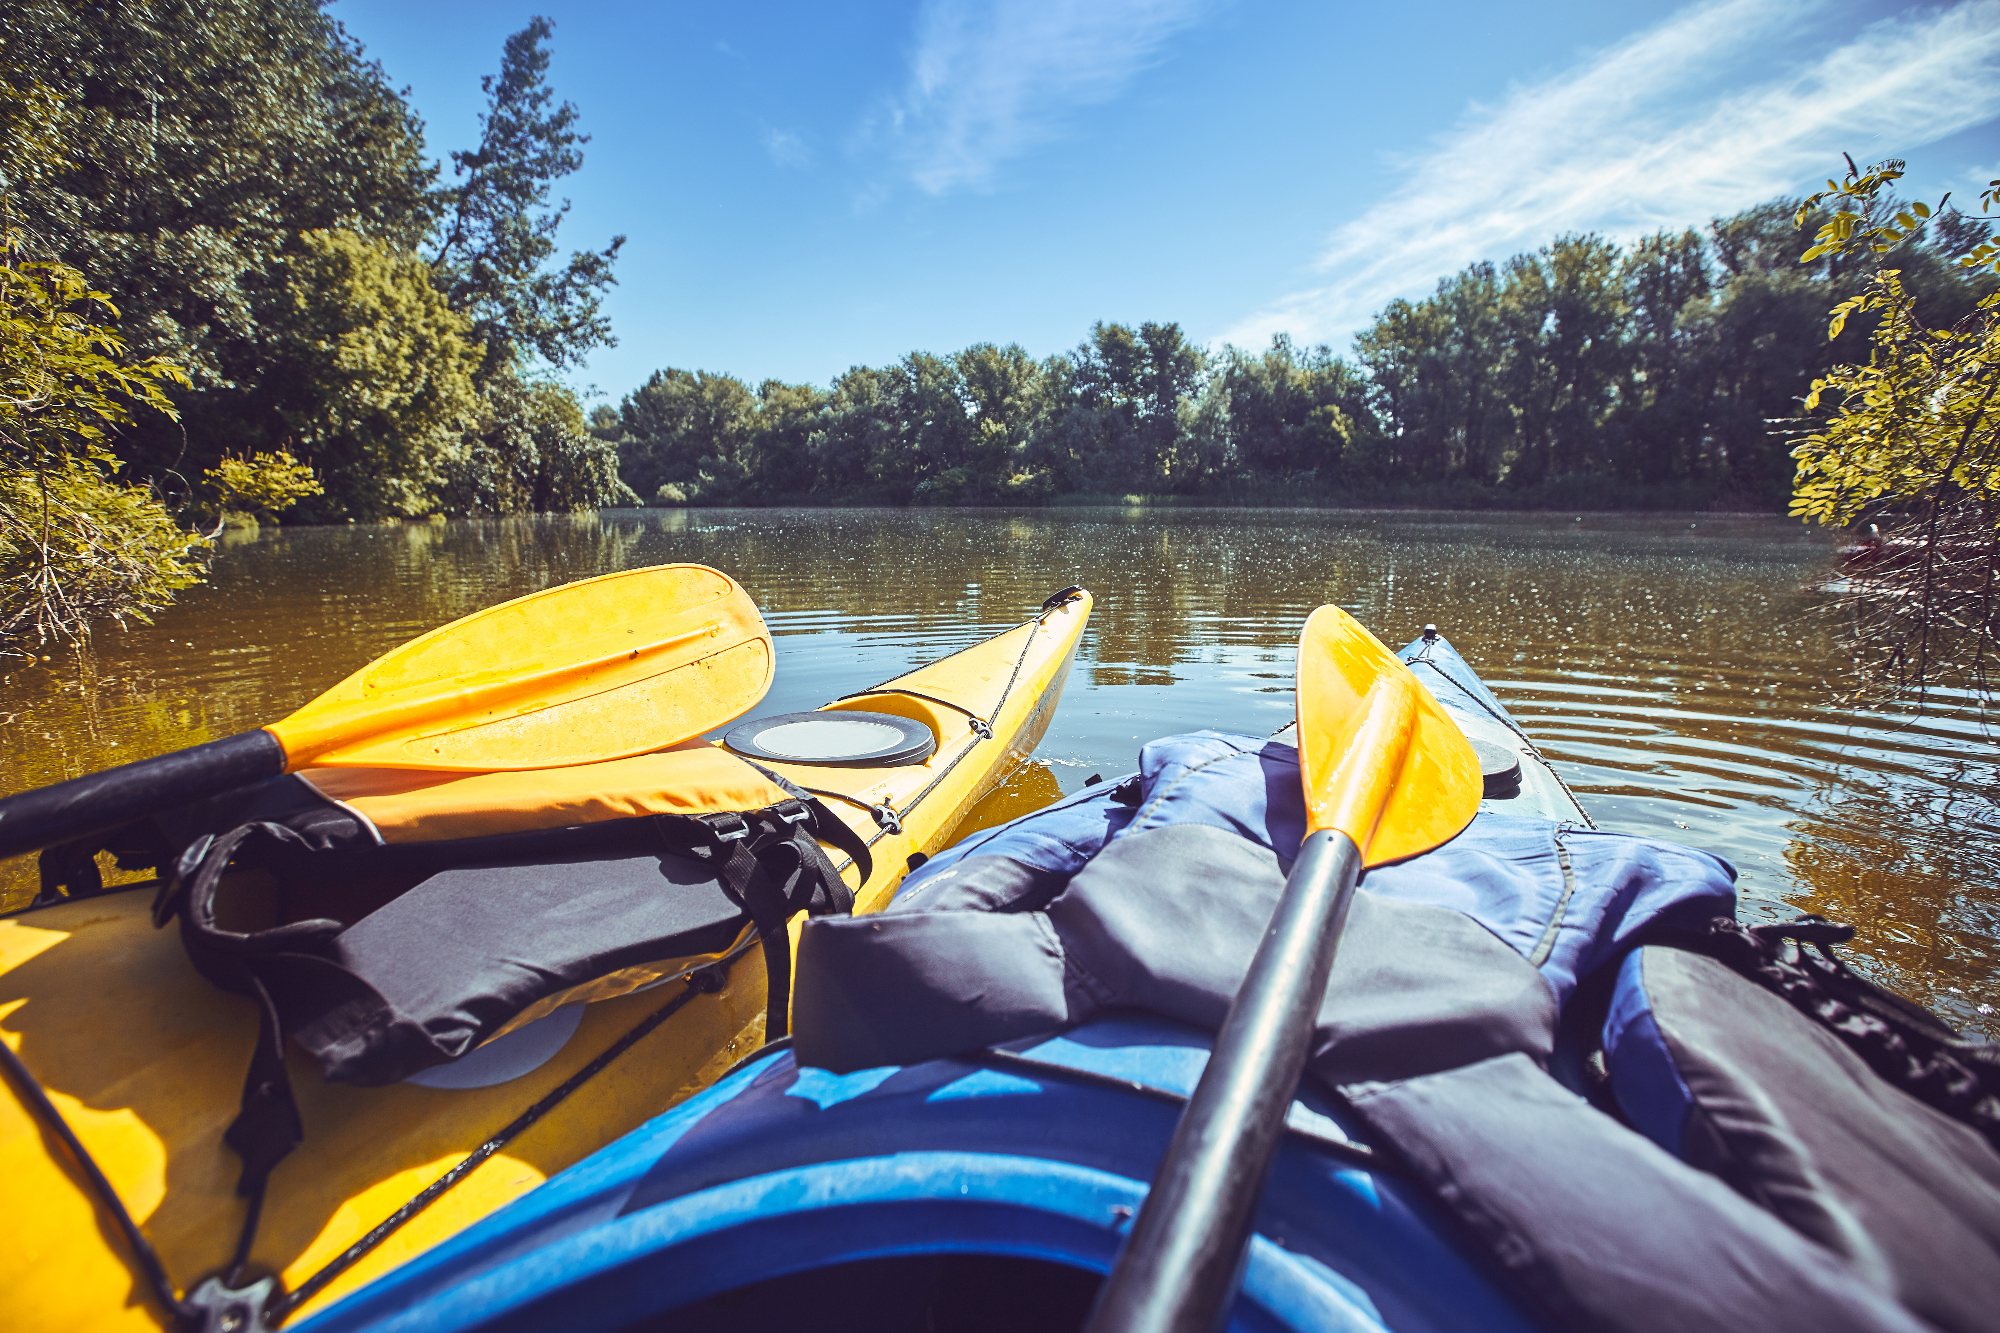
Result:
[
  {"x": 829, "y": 827},
  {"x": 266, "y": 1129},
  {"x": 743, "y": 874},
  {"x": 70, "y": 866}
]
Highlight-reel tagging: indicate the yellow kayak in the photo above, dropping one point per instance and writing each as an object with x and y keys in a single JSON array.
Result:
[{"x": 145, "y": 1059}]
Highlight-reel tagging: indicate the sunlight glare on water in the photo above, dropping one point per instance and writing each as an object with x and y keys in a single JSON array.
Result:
[{"x": 1678, "y": 669}]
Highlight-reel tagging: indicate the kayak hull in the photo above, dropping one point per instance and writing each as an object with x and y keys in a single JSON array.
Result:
[
  {"x": 145, "y": 1059},
  {"x": 780, "y": 1185}
]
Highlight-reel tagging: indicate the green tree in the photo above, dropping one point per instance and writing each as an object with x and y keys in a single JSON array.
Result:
[
  {"x": 498, "y": 229},
  {"x": 529, "y": 449},
  {"x": 687, "y": 436},
  {"x": 371, "y": 373},
  {"x": 1913, "y": 438},
  {"x": 1562, "y": 313},
  {"x": 1007, "y": 392},
  {"x": 1662, "y": 404},
  {"x": 261, "y": 486},
  {"x": 204, "y": 138},
  {"x": 1435, "y": 368},
  {"x": 1759, "y": 339},
  {"x": 781, "y": 452},
  {"x": 1290, "y": 412},
  {"x": 1128, "y": 390},
  {"x": 858, "y": 426},
  {"x": 76, "y": 544}
]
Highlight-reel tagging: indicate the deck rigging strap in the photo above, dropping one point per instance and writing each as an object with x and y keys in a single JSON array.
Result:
[
  {"x": 894, "y": 824},
  {"x": 745, "y": 852},
  {"x": 218, "y": 1293},
  {"x": 147, "y": 1259}
]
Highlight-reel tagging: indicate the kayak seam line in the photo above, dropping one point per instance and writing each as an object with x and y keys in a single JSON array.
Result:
[{"x": 1547, "y": 943}]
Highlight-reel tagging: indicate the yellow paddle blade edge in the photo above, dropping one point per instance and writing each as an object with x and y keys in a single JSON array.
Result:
[
  {"x": 1379, "y": 759},
  {"x": 603, "y": 668}
]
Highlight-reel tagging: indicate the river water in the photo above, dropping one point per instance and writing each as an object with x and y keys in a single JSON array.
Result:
[{"x": 1679, "y": 670}]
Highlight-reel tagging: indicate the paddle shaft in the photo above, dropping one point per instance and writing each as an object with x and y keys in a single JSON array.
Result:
[
  {"x": 1179, "y": 1270},
  {"x": 100, "y": 802}
]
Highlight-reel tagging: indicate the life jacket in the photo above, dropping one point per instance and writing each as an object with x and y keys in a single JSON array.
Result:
[
  {"x": 388, "y": 921},
  {"x": 1562, "y": 1033}
]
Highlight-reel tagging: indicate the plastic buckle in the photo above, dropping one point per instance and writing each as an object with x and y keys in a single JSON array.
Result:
[
  {"x": 213, "y": 1307},
  {"x": 793, "y": 811},
  {"x": 722, "y": 831},
  {"x": 983, "y": 727}
]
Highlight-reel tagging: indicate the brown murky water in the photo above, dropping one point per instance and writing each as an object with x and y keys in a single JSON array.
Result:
[{"x": 1678, "y": 669}]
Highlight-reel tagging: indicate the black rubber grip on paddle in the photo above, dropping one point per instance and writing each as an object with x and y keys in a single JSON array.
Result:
[{"x": 104, "y": 801}]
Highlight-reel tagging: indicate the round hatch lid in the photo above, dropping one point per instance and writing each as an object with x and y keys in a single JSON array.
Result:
[
  {"x": 855, "y": 740},
  {"x": 1499, "y": 770}
]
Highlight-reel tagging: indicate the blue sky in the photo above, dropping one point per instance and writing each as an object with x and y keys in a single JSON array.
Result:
[{"x": 807, "y": 187}]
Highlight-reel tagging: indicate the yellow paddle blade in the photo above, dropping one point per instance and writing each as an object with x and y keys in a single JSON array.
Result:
[
  {"x": 600, "y": 669},
  {"x": 1380, "y": 760}
]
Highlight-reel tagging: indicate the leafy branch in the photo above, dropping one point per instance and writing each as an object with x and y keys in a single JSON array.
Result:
[{"x": 1913, "y": 442}]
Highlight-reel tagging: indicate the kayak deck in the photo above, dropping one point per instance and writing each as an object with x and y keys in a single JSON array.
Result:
[{"x": 145, "y": 1059}]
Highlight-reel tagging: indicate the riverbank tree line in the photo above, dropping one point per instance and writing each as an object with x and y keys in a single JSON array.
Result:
[
  {"x": 232, "y": 284},
  {"x": 257, "y": 205},
  {"x": 1667, "y": 371}
]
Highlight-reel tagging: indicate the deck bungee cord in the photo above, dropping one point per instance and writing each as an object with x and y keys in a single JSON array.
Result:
[
  {"x": 221, "y": 1304},
  {"x": 889, "y": 820},
  {"x": 703, "y": 980}
]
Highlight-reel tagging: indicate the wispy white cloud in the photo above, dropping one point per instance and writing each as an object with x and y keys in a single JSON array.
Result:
[
  {"x": 787, "y": 149},
  {"x": 990, "y": 79},
  {"x": 1680, "y": 123}
]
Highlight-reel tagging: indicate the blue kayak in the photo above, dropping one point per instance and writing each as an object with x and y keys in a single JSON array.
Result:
[
  {"x": 985, "y": 1197},
  {"x": 992, "y": 1189}
]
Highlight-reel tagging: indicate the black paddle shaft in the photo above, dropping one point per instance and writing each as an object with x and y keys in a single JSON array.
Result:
[
  {"x": 1179, "y": 1270},
  {"x": 103, "y": 801}
]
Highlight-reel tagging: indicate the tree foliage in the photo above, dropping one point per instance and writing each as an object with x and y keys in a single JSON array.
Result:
[
  {"x": 1585, "y": 372},
  {"x": 76, "y": 544},
  {"x": 1912, "y": 440},
  {"x": 252, "y": 193},
  {"x": 529, "y": 450},
  {"x": 498, "y": 229},
  {"x": 203, "y": 137},
  {"x": 261, "y": 486},
  {"x": 372, "y": 373}
]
